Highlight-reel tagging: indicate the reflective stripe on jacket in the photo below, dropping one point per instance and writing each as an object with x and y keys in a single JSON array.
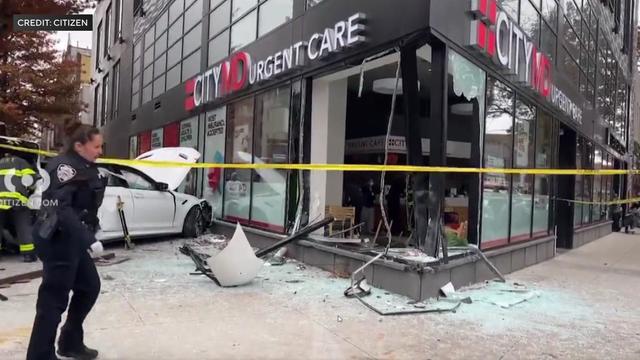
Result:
[{"x": 14, "y": 190}]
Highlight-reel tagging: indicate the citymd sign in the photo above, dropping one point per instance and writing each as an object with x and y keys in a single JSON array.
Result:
[
  {"x": 240, "y": 70},
  {"x": 497, "y": 36}
]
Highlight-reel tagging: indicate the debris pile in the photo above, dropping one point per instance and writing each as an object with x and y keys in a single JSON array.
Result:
[
  {"x": 209, "y": 243},
  {"x": 411, "y": 255}
]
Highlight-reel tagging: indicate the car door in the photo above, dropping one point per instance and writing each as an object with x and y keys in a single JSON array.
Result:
[
  {"x": 117, "y": 188},
  {"x": 153, "y": 210}
]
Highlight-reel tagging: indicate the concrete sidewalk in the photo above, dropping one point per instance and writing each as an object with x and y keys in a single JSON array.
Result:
[{"x": 151, "y": 308}]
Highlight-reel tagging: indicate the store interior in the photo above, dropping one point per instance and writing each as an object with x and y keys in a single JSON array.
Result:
[{"x": 366, "y": 118}]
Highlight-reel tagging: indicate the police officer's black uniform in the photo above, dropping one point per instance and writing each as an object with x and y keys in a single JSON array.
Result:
[{"x": 65, "y": 229}]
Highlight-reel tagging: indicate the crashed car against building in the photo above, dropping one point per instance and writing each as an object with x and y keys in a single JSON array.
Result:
[{"x": 150, "y": 202}]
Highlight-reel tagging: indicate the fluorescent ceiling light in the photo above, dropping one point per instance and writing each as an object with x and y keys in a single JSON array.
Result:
[{"x": 385, "y": 86}]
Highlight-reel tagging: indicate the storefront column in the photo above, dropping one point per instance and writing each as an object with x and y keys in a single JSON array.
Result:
[
  {"x": 414, "y": 143},
  {"x": 438, "y": 145},
  {"x": 475, "y": 185},
  {"x": 566, "y": 188},
  {"x": 328, "y": 131}
]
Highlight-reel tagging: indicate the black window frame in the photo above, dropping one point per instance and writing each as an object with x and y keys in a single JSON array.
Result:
[
  {"x": 231, "y": 23},
  {"x": 104, "y": 112},
  {"x": 115, "y": 90},
  {"x": 117, "y": 29},
  {"x": 107, "y": 31},
  {"x": 98, "y": 47}
]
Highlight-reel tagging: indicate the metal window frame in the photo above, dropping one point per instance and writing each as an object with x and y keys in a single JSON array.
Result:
[
  {"x": 115, "y": 90},
  {"x": 98, "y": 41},
  {"x": 104, "y": 111},
  {"x": 118, "y": 19},
  {"x": 96, "y": 100},
  {"x": 231, "y": 23},
  {"x": 254, "y": 98},
  {"x": 107, "y": 31}
]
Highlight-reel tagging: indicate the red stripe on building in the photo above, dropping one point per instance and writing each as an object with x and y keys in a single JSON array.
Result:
[
  {"x": 172, "y": 135},
  {"x": 144, "y": 141}
]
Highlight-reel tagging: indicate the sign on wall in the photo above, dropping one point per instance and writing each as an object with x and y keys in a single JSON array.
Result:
[
  {"x": 398, "y": 145},
  {"x": 144, "y": 142},
  {"x": 133, "y": 147},
  {"x": 171, "y": 135},
  {"x": 189, "y": 133},
  {"x": 157, "y": 138},
  {"x": 214, "y": 149},
  {"x": 189, "y": 138},
  {"x": 500, "y": 38}
]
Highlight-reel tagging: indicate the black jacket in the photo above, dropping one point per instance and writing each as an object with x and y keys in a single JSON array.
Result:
[
  {"x": 76, "y": 193},
  {"x": 18, "y": 164}
]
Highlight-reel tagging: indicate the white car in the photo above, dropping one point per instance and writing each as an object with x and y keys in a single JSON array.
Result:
[{"x": 151, "y": 204}]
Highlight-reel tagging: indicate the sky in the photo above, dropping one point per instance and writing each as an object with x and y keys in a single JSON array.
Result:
[{"x": 78, "y": 38}]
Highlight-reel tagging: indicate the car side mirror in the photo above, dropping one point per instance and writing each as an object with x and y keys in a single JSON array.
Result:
[{"x": 162, "y": 186}]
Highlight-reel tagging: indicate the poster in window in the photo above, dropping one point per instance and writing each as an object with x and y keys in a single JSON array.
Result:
[
  {"x": 189, "y": 138},
  {"x": 133, "y": 147},
  {"x": 189, "y": 132},
  {"x": 215, "y": 131},
  {"x": 156, "y": 138}
]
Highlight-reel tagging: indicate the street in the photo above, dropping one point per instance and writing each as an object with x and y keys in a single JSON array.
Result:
[{"x": 152, "y": 308}]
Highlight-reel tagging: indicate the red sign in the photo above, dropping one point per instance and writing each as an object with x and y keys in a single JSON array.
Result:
[
  {"x": 228, "y": 77},
  {"x": 494, "y": 34},
  {"x": 171, "y": 135},
  {"x": 144, "y": 141}
]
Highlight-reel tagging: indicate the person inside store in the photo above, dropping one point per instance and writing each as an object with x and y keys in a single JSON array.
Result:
[
  {"x": 353, "y": 198},
  {"x": 64, "y": 235},
  {"x": 368, "y": 206},
  {"x": 396, "y": 212}
]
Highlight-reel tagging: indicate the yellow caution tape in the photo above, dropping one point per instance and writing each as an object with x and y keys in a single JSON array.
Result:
[
  {"x": 614, "y": 202},
  {"x": 344, "y": 167}
]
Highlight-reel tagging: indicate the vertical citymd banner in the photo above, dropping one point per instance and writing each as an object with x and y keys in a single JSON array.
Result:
[
  {"x": 157, "y": 138},
  {"x": 214, "y": 148},
  {"x": 133, "y": 147},
  {"x": 189, "y": 138}
]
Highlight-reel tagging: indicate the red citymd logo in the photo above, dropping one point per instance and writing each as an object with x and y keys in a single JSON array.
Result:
[
  {"x": 189, "y": 101},
  {"x": 483, "y": 33}
]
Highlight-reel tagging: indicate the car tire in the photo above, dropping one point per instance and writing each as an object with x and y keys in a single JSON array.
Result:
[{"x": 193, "y": 223}]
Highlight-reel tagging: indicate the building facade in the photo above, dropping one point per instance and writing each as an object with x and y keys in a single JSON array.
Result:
[
  {"x": 52, "y": 137},
  {"x": 500, "y": 84},
  {"x": 82, "y": 57}
]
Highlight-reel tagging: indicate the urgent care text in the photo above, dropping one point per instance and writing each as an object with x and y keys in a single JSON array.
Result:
[{"x": 239, "y": 70}]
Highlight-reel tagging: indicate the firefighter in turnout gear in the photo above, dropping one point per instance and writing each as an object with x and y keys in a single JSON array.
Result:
[
  {"x": 17, "y": 183},
  {"x": 64, "y": 234}
]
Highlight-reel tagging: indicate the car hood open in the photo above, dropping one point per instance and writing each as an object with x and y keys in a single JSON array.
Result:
[{"x": 172, "y": 176}]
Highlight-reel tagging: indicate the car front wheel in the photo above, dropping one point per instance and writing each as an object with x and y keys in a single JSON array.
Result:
[{"x": 193, "y": 223}]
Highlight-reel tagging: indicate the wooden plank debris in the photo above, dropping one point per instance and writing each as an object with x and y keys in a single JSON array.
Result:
[{"x": 21, "y": 277}]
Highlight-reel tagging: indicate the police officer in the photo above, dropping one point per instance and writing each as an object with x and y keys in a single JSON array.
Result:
[
  {"x": 65, "y": 234},
  {"x": 15, "y": 191}
]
